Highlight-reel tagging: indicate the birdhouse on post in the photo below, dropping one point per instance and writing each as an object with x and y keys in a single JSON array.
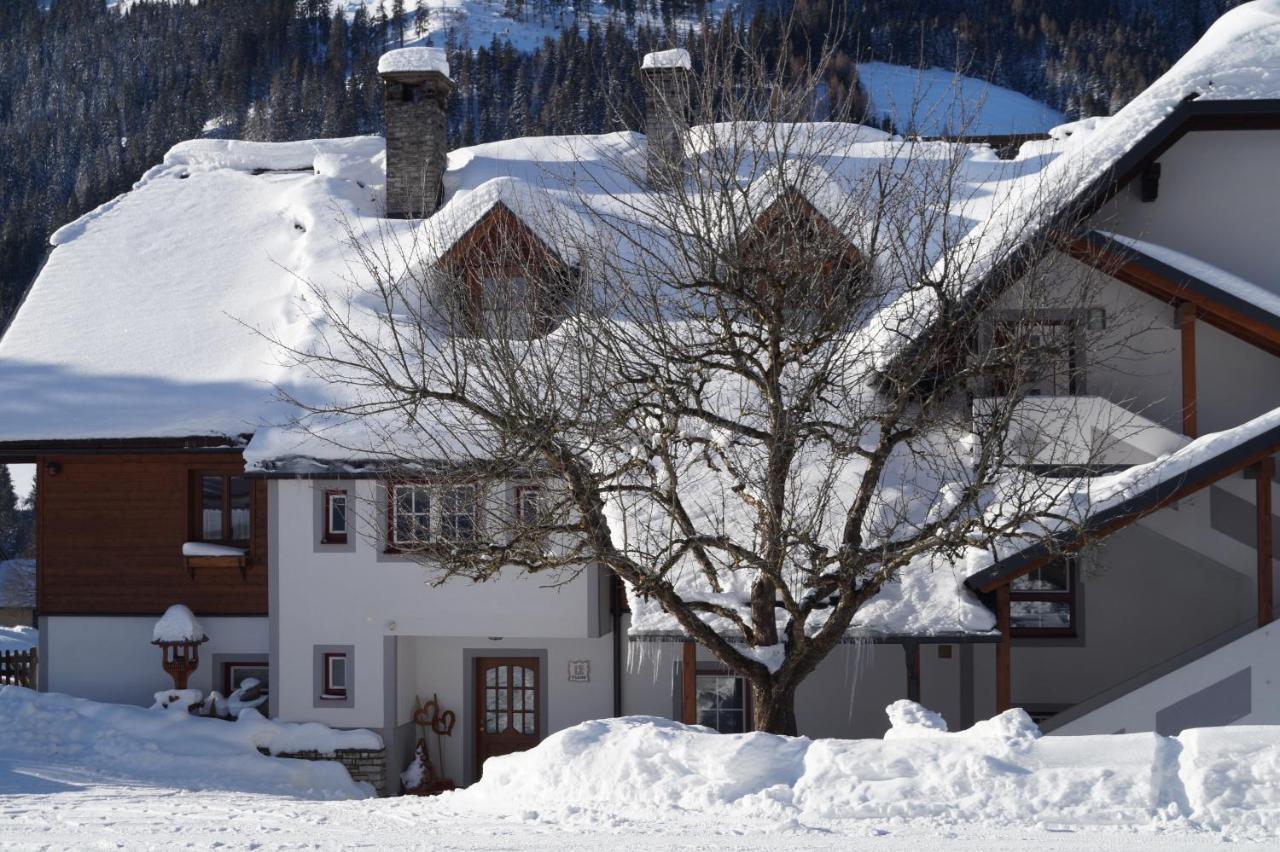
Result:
[{"x": 179, "y": 637}]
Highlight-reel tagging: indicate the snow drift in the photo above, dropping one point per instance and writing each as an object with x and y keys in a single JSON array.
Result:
[
  {"x": 175, "y": 749},
  {"x": 1000, "y": 771}
]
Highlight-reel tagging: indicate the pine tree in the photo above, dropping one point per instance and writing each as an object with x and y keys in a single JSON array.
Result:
[
  {"x": 397, "y": 21},
  {"x": 421, "y": 18}
]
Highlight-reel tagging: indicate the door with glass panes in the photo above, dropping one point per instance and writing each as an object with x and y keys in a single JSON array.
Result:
[{"x": 508, "y": 717}]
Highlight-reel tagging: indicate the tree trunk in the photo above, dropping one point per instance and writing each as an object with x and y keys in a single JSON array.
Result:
[{"x": 774, "y": 709}]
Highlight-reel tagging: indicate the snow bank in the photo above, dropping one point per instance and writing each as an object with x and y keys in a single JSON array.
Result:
[
  {"x": 677, "y": 58},
  {"x": 176, "y": 749},
  {"x": 1000, "y": 771},
  {"x": 18, "y": 638},
  {"x": 414, "y": 59},
  {"x": 178, "y": 624},
  {"x": 1232, "y": 776}
]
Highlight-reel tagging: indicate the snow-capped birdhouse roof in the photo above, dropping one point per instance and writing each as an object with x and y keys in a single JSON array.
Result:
[{"x": 177, "y": 625}]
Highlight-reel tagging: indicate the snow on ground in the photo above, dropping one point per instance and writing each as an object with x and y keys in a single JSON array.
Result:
[
  {"x": 934, "y": 101},
  {"x": 47, "y": 735},
  {"x": 18, "y": 638},
  {"x": 75, "y": 774}
]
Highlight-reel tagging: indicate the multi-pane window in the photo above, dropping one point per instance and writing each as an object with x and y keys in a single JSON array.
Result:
[
  {"x": 335, "y": 517},
  {"x": 1043, "y": 602},
  {"x": 422, "y": 513},
  {"x": 411, "y": 514},
  {"x": 1045, "y": 357},
  {"x": 224, "y": 509},
  {"x": 722, "y": 702},
  {"x": 335, "y": 676},
  {"x": 458, "y": 511},
  {"x": 528, "y": 505},
  {"x": 510, "y": 700}
]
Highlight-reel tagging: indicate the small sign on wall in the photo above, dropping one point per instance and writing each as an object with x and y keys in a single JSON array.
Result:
[{"x": 579, "y": 671}]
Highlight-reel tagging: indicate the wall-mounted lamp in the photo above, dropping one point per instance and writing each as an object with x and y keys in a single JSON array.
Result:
[{"x": 52, "y": 468}]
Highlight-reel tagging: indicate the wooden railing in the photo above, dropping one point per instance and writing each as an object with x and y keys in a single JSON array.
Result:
[{"x": 18, "y": 668}]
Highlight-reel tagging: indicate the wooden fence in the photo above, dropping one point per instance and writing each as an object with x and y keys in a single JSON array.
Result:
[{"x": 18, "y": 668}]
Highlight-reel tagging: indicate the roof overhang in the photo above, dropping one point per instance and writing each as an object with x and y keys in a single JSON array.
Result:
[
  {"x": 989, "y": 637},
  {"x": 1218, "y": 307},
  {"x": 1157, "y": 496},
  {"x": 1190, "y": 115},
  {"x": 25, "y": 452}
]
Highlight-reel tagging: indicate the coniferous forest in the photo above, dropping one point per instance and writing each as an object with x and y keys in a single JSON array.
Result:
[{"x": 91, "y": 97}]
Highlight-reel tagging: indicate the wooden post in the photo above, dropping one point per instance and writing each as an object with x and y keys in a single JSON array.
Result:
[
  {"x": 912, "y": 650},
  {"x": 689, "y": 684},
  {"x": 1004, "y": 698},
  {"x": 1186, "y": 321},
  {"x": 1266, "y": 592}
]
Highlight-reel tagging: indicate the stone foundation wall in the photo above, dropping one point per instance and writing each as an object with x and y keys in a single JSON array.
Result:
[{"x": 368, "y": 765}]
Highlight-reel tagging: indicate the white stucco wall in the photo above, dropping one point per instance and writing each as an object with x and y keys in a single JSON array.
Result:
[
  {"x": 1217, "y": 202},
  {"x": 1241, "y": 676},
  {"x": 110, "y": 658},
  {"x": 439, "y": 666},
  {"x": 1144, "y": 600},
  {"x": 355, "y": 595}
]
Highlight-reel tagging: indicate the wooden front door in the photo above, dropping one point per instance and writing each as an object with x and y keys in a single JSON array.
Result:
[{"x": 507, "y": 706}]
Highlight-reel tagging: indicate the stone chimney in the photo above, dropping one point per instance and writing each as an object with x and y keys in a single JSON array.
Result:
[
  {"x": 666, "y": 76},
  {"x": 417, "y": 87}
]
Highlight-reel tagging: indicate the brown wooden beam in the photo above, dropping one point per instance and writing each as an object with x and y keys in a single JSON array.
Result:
[
  {"x": 1186, "y": 320},
  {"x": 689, "y": 684},
  {"x": 1004, "y": 698},
  {"x": 1118, "y": 266},
  {"x": 1266, "y": 592}
]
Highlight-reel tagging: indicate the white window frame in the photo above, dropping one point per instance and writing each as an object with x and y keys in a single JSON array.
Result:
[
  {"x": 425, "y": 529},
  {"x": 449, "y": 507},
  {"x": 330, "y": 499},
  {"x": 331, "y": 689}
]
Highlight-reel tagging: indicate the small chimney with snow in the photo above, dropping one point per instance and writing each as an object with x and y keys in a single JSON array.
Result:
[
  {"x": 666, "y": 76},
  {"x": 417, "y": 87}
]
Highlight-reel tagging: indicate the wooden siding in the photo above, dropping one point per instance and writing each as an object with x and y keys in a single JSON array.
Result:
[{"x": 110, "y": 530}]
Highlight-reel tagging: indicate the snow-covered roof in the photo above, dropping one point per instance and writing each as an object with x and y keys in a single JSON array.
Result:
[
  {"x": 1237, "y": 60},
  {"x": 674, "y": 58},
  {"x": 1183, "y": 269},
  {"x": 408, "y": 60},
  {"x": 153, "y": 313}
]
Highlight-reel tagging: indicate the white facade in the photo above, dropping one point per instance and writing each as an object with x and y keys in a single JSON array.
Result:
[{"x": 111, "y": 658}]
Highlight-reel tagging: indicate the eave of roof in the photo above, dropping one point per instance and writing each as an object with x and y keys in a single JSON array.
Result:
[
  {"x": 1156, "y": 496},
  {"x": 950, "y": 638},
  {"x": 17, "y": 452},
  {"x": 1189, "y": 115},
  {"x": 1128, "y": 263}
]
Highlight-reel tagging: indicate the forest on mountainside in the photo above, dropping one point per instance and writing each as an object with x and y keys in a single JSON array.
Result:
[{"x": 90, "y": 98}]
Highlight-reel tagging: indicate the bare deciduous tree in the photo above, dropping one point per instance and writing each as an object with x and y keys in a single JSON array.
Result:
[{"x": 742, "y": 378}]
